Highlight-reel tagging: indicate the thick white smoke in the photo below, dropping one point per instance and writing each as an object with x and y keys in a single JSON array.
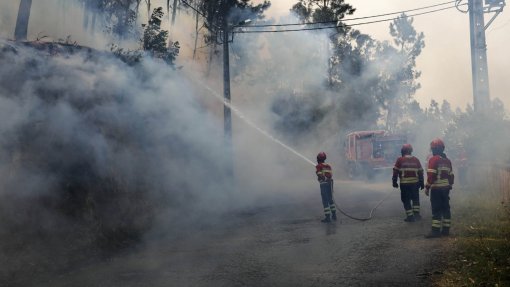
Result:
[
  {"x": 91, "y": 145},
  {"x": 140, "y": 149}
]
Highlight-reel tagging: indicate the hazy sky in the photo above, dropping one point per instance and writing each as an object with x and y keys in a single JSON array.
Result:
[{"x": 446, "y": 60}]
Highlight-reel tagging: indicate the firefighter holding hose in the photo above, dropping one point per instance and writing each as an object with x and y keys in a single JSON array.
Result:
[
  {"x": 408, "y": 169},
  {"x": 325, "y": 178},
  {"x": 439, "y": 183}
]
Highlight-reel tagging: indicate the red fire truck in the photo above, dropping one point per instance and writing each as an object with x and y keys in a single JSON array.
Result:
[{"x": 369, "y": 151}]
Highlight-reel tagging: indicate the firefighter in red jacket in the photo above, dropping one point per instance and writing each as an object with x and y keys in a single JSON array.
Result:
[
  {"x": 439, "y": 183},
  {"x": 408, "y": 169},
  {"x": 325, "y": 177}
]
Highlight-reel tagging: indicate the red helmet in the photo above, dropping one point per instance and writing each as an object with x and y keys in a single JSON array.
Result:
[
  {"x": 406, "y": 149},
  {"x": 321, "y": 156},
  {"x": 437, "y": 144}
]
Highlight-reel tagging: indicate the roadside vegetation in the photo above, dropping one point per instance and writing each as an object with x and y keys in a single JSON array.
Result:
[{"x": 481, "y": 245}]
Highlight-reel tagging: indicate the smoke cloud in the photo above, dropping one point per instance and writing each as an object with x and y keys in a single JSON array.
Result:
[
  {"x": 91, "y": 146},
  {"x": 95, "y": 152}
]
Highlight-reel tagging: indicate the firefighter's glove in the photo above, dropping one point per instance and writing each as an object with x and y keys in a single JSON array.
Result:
[
  {"x": 422, "y": 186},
  {"x": 427, "y": 191},
  {"x": 395, "y": 184}
]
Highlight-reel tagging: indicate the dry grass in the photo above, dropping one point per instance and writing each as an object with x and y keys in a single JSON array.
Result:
[{"x": 481, "y": 246}]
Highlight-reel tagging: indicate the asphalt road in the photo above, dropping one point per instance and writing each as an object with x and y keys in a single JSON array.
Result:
[{"x": 282, "y": 243}]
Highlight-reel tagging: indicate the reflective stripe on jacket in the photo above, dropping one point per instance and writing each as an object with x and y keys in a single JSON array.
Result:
[
  {"x": 408, "y": 169},
  {"x": 323, "y": 171},
  {"x": 439, "y": 172}
]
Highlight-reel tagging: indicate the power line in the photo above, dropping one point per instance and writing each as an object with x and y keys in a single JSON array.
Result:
[
  {"x": 344, "y": 20},
  {"x": 457, "y": 4},
  {"x": 336, "y": 26},
  {"x": 499, "y": 27}
]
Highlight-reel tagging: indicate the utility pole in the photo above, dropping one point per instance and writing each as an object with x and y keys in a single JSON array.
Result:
[
  {"x": 479, "y": 68},
  {"x": 480, "y": 75},
  {"x": 227, "y": 115},
  {"x": 226, "y": 83}
]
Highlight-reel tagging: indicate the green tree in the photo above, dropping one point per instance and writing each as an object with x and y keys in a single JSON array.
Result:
[
  {"x": 309, "y": 11},
  {"x": 226, "y": 13},
  {"x": 408, "y": 44},
  {"x": 484, "y": 137},
  {"x": 297, "y": 114},
  {"x": 120, "y": 15},
  {"x": 355, "y": 76},
  {"x": 219, "y": 13},
  {"x": 352, "y": 93},
  {"x": 369, "y": 79},
  {"x": 322, "y": 10},
  {"x": 155, "y": 39}
]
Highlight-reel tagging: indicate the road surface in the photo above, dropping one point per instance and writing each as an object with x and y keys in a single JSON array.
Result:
[{"x": 281, "y": 243}]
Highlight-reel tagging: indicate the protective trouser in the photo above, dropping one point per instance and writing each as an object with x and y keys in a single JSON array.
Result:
[
  {"x": 327, "y": 198},
  {"x": 410, "y": 196},
  {"x": 441, "y": 216}
]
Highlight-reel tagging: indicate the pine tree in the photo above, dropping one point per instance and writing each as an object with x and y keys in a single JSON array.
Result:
[{"x": 155, "y": 39}]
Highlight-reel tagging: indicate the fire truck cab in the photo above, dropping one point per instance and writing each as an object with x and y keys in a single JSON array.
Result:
[{"x": 369, "y": 151}]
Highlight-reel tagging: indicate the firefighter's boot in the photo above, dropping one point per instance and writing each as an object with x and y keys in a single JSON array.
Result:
[
  {"x": 410, "y": 219},
  {"x": 417, "y": 216},
  {"x": 410, "y": 216},
  {"x": 326, "y": 219},
  {"x": 333, "y": 216},
  {"x": 446, "y": 227},
  {"x": 434, "y": 233}
]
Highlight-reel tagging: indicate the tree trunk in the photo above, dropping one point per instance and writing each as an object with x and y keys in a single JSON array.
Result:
[
  {"x": 196, "y": 35},
  {"x": 390, "y": 117},
  {"x": 86, "y": 14},
  {"x": 148, "y": 9},
  {"x": 211, "y": 58},
  {"x": 93, "y": 24},
  {"x": 21, "y": 30},
  {"x": 137, "y": 7},
  {"x": 168, "y": 9},
  {"x": 174, "y": 11}
]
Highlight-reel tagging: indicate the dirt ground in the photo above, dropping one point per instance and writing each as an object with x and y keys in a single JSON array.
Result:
[{"x": 282, "y": 243}]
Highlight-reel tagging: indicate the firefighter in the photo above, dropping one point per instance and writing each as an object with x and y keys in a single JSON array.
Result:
[
  {"x": 325, "y": 178},
  {"x": 408, "y": 169},
  {"x": 439, "y": 183}
]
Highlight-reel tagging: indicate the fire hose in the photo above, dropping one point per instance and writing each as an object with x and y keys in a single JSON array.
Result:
[{"x": 370, "y": 215}]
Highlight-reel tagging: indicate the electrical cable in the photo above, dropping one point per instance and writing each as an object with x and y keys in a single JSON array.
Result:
[
  {"x": 371, "y": 214},
  {"x": 457, "y": 4},
  {"x": 498, "y": 27},
  {"x": 344, "y": 20},
  {"x": 336, "y": 26}
]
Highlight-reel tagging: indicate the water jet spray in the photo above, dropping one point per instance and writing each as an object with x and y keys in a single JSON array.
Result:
[
  {"x": 253, "y": 125},
  {"x": 269, "y": 136}
]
